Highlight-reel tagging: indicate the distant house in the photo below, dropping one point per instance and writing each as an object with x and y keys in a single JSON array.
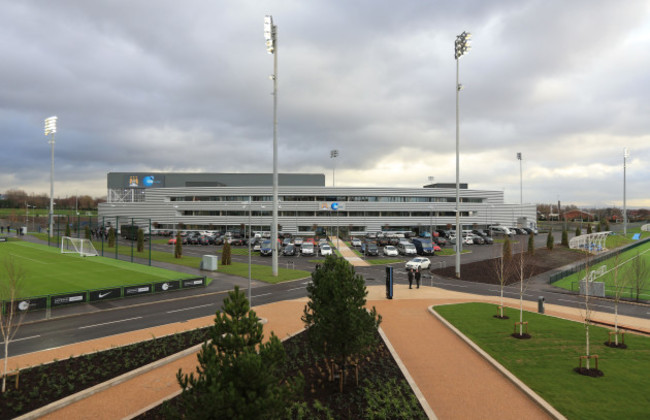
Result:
[{"x": 577, "y": 215}]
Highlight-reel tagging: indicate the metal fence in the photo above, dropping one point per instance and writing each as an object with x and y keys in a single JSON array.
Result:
[{"x": 595, "y": 260}]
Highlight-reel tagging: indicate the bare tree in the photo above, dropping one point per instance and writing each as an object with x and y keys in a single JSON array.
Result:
[
  {"x": 524, "y": 272},
  {"x": 588, "y": 310},
  {"x": 620, "y": 284},
  {"x": 12, "y": 317},
  {"x": 500, "y": 266}
]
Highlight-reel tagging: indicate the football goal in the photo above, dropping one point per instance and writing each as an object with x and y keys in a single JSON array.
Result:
[{"x": 79, "y": 246}]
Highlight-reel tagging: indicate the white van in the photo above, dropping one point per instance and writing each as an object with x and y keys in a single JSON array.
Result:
[
  {"x": 406, "y": 248},
  {"x": 500, "y": 230}
]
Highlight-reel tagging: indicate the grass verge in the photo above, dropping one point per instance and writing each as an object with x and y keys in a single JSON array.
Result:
[{"x": 546, "y": 361}]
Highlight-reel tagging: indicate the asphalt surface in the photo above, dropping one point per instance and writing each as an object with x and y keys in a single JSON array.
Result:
[{"x": 75, "y": 323}]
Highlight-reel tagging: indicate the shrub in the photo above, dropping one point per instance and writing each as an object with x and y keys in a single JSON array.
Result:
[
  {"x": 178, "y": 247},
  {"x": 140, "y": 240},
  {"x": 565, "y": 237},
  {"x": 550, "y": 240},
  {"x": 531, "y": 244},
  {"x": 507, "y": 251},
  {"x": 226, "y": 254}
]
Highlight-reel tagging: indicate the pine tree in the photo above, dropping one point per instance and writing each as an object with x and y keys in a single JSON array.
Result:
[
  {"x": 87, "y": 232},
  {"x": 531, "y": 244},
  {"x": 550, "y": 240},
  {"x": 578, "y": 231},
  {"x": 226, "y": 255},
  {"x": 589, "y": 230},
  {"x": 565, "y": 237},
  {"x": 239, "y": 376},
  {"x": 338, "y": 324},
  {"x": 178, "y": 246},
  {"x": 140, "y": 240},
  {"x": 67, "y": 229}
]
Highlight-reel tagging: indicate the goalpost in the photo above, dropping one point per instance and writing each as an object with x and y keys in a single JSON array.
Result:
[{"x": 79, "y": 246}]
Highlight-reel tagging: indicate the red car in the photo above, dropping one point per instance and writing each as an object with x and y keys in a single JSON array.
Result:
[{"x": 172, "y": 241}]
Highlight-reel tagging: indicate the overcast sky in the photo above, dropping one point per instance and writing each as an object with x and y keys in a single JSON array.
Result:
[{"x": 184, "y": 86}]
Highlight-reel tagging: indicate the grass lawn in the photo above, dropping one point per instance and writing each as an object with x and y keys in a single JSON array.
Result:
[
  {"x": 47, "y": 271},
  {"x": 258, "y": 272},
  {"x": 571, "y": 282},
  {"x": 546, "y": 361}
]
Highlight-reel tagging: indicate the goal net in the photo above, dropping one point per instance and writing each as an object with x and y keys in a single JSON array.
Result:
[{"x": 79, "y": 246}]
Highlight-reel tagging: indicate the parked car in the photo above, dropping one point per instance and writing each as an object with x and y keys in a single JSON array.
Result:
[
  {"x": 355, "y": 242},
  {"x": 286, "y": 241},
  {"x": 325, "y": 249},
  {"x": 419, "y": 262},
  {"x": 423, "y": 246},
  {"x": 439, "y": 240},
  {"x": 297, "y": 241},
  {"x": 477, "y": 239},
  {"x": 265, "y": 249},
  {"x": 390, "y": 251},
  {"x": 172, "y": 241},
  {"x": 307, "y": 248},
  {"x": 369, "y": 248},
  {"x": 289, "y": 251}
]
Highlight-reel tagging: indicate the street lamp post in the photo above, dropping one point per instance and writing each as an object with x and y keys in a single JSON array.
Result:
[
  {"x": 50, "y": 129},
  {"x": 461, "y": 47},
  {"x": 250, "y": 238},
  {"x": 626, "y": 154},
  {"x": 271, "y": 38}
]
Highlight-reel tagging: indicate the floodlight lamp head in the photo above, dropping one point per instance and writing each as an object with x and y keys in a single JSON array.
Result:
[
  {"x": 269, "y": 33},
  {"x": 50, "y": 125},
  {"x": 334, "y": 153},
  {"x": 519, "y": 155}
]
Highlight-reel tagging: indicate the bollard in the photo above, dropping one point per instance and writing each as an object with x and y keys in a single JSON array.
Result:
[{"x": 540, "y": 304}]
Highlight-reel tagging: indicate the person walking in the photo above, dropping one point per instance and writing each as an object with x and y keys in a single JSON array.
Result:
[
  {"x": 417, "y": 277},
  {"x": 410, "y": 276}
]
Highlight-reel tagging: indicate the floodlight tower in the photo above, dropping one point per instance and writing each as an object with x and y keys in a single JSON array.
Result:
[
  {"x": 271, "y": 38},
  {"x": 626, "y": 154},
  {"x": 333, "y": 155},
  {"x": 521, "y": 187},
  {"x": 50, "y": 129},
  {"x": 461, "y": 47}
]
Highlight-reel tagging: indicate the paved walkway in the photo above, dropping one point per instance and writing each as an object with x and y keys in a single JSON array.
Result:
[
  {"x": 348, "y": 253},
  {"x": 455, "y": 382}
]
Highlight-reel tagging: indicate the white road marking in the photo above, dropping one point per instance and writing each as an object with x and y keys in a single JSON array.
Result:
[
  {"x": 190, "y": 308},
  {"x": 263, "y": 294},
  {"x": 107, "y": 323},
  {"x": 21, "y": 339},
  {"x": 295, "y": 288}
]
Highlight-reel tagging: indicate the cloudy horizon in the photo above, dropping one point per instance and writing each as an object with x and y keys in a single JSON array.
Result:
[{"x": 185, "y": 87}]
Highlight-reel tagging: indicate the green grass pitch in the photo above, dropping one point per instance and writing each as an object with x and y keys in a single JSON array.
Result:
[{"x": 47, "y": 271}]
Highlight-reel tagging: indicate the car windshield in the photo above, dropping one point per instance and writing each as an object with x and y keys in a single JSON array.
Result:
[{"x": 390, "y": 248}]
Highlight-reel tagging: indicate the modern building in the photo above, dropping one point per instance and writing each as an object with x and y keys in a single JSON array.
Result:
[{"x": 215, "y": 201}]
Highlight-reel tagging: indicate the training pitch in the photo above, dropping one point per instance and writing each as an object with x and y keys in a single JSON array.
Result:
[{"x": 47, "y": 271}]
